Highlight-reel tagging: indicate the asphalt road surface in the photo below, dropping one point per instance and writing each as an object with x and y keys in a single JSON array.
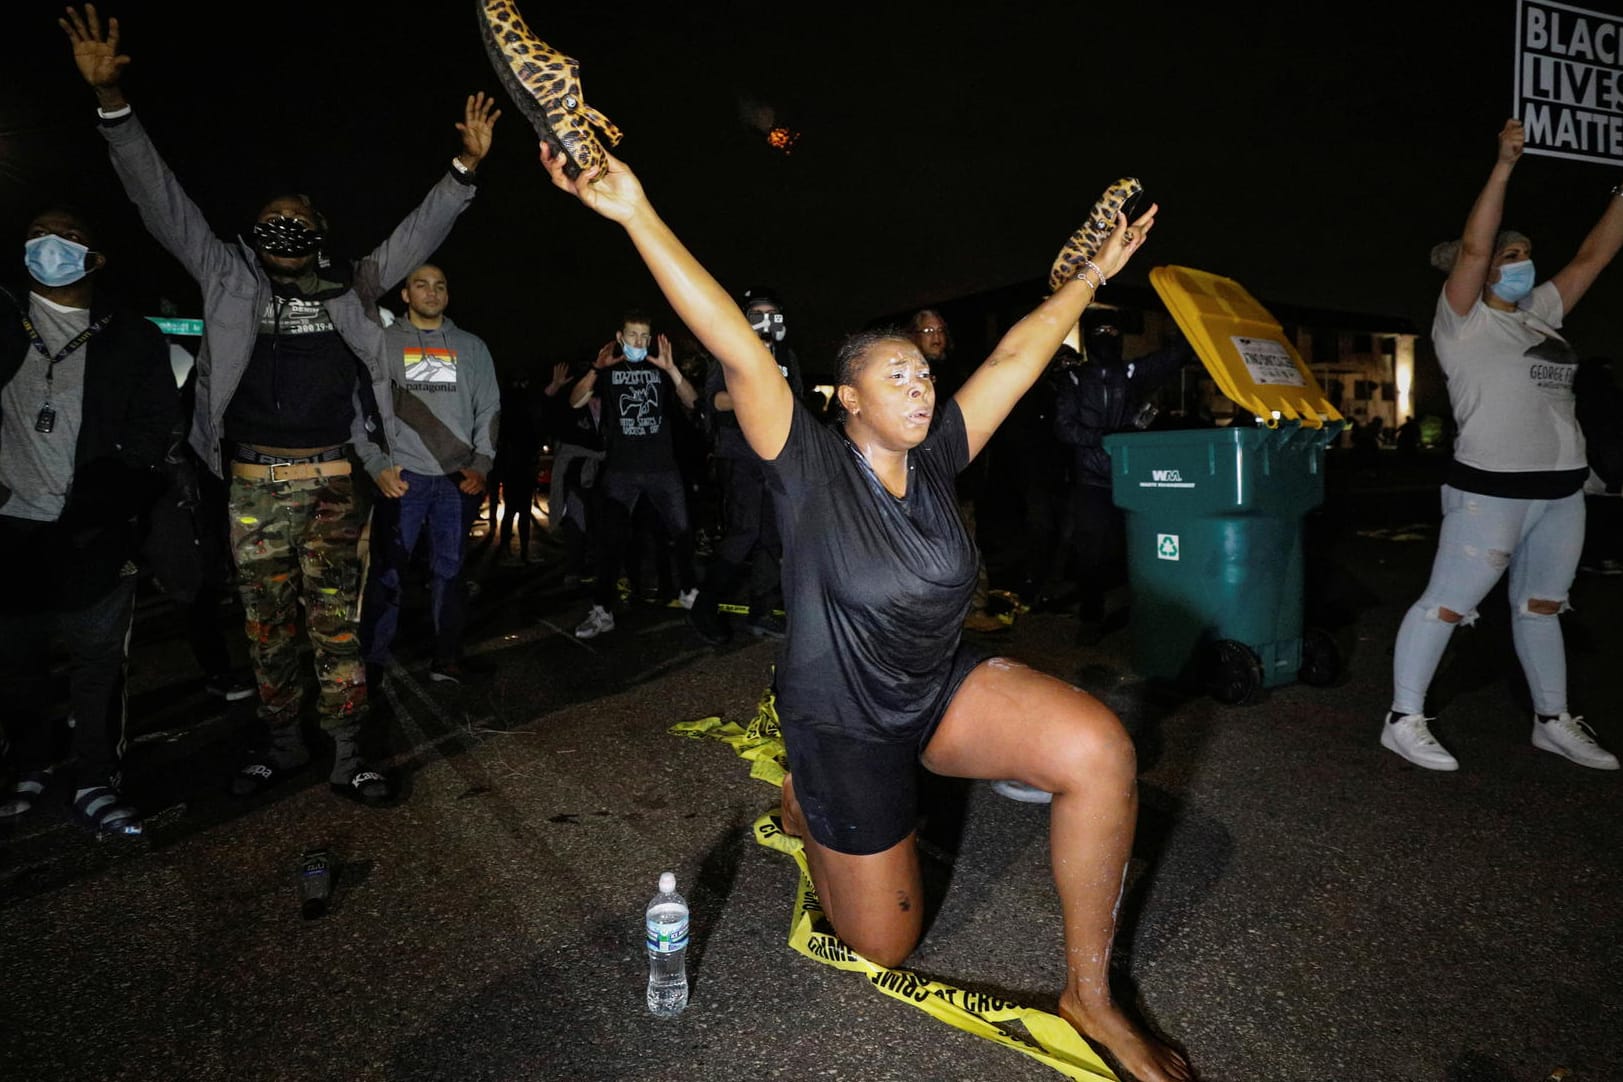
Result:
[{"x": 1303, "y": 905}]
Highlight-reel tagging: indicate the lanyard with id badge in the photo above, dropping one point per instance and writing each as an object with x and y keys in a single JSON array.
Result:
[{"x": 46, "y": 420}]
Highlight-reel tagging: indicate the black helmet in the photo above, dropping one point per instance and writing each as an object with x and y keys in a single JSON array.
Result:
[{"x": 760, "y": 295}]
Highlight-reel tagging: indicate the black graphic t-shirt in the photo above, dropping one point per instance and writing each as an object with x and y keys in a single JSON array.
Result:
[
  {"x": 634, "y": 397},
  {"x": 876, "y": 587},
  {"x": 299, "y": 387}
]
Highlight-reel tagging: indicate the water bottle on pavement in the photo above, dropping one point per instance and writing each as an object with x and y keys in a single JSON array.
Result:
[
  {"x": 667, "y": 950},
  {"x": 315, "y": 882}
]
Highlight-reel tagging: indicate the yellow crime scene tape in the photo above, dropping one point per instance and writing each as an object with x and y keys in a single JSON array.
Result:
[{"x": 1047, "y": 1038}]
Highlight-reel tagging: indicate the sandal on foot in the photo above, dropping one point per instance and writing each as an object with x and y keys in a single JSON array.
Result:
[
  {"x": 103, "y": 812},
  {"x": 545, "y": 85},
  {"x": 260, "y": 773},
  {"x": 25, "y": 790},
  {"x": 366, "y": 786}
]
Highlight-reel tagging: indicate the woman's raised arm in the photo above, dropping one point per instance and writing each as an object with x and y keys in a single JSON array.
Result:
[
  {"x": 762, "y": 400},
  {"x": 1026, "y": 348},
  {"x": 1475, "y": 260}
]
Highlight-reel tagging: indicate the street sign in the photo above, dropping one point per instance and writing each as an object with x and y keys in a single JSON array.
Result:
[{"x": 192, "y": 327}]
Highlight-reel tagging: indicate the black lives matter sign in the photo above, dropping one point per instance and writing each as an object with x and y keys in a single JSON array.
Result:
[{"x": 1569, "y": 81}]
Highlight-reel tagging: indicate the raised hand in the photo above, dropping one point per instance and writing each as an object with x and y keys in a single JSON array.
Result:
[
  {"x": 95, "y": 52},
  {"x": 664, "y": 359},
  {"x": 560, "y": 376},
  {"x": 478, "y": 125},
  {"x": 1511, "y": 141},
  {"x": 1127, "y": 238},
  {"x": 605, "y": 356},
  {"x": 613, "y": 190}
]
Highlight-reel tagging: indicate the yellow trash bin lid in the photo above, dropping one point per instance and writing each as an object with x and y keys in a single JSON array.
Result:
[{"x": 1243, "y": 346}]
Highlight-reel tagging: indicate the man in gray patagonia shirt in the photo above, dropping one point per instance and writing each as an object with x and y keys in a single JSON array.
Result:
[{"x": 446, "y": 408}]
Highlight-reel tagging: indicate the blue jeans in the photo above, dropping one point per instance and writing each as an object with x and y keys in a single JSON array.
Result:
[{"x": 433, "y": 501}]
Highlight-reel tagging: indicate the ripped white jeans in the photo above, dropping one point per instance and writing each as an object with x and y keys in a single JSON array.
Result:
[{"x": 1539, "y": 541}]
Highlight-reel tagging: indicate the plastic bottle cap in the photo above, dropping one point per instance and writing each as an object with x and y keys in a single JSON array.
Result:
[{"x": 667, "y": 882}]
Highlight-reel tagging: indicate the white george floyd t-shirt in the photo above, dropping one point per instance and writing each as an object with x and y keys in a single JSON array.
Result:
[{"x": 1510, "y": 384}]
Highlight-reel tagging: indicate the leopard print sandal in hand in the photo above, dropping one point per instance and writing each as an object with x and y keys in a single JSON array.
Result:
[
  {"x": 545, "y": 85},
  {"x": 1086, "y": 241}
]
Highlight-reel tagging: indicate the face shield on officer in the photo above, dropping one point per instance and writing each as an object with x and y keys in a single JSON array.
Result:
[{"x": 765, "y": 315}]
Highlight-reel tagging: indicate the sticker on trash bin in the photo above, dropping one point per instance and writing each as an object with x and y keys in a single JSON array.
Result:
[
  {"x": 1268, "y": 362},
  {"x": 1166, "y": 546},
  {"x": 1166, "y": 479}
]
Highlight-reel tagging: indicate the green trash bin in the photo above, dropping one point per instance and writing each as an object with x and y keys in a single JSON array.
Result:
[{"x": 1214, "y": 553}]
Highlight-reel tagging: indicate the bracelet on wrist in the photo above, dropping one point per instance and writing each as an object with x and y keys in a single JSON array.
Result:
[
  {"x": 1088, "y": 264},
  {"x": 456, "y": 163},
  {"x": 113, "y": 114}
]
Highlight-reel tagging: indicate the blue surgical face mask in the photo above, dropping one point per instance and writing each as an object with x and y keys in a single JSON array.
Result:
[
  {"x": 1515, "y": 281},
  {"x": 55, "y": 261},
  {"x": 634, "y": 353}
]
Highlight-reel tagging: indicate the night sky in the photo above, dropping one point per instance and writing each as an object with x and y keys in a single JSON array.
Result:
[{"x": 1313, "y": 153}]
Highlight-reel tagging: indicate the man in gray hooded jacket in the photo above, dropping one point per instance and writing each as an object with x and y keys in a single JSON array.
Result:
[{"x": 292, "y": 351}]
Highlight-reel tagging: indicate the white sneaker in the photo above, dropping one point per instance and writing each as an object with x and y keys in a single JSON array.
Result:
[
  {"x": 1019, "y": 790},
  {"x": 1411, "y": 738},
  {"x": 1571, "y": 737},
  {"x": 687, "y": 597},
  {"x": 597, "y": 622}
]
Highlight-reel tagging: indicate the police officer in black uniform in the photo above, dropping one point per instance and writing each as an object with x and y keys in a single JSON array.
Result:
[{"x": 750, "y": 546}]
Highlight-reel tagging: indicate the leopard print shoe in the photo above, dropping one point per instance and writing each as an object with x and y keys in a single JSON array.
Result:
[
  {"x": 545, "y": 84},
  {"x": 1086, "y": 241}
]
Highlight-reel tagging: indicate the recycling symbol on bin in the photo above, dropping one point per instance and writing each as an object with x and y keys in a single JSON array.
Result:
[{"x": 1166, "y": 546}]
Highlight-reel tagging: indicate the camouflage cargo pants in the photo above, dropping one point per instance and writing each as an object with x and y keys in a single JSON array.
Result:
[{"x": 297, "y": 541}]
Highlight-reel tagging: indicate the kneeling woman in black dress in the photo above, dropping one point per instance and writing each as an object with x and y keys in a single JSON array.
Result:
[{"x": 878, "y": 576}]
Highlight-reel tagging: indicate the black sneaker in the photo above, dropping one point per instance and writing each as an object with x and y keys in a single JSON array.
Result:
[
  {"x": 448, "y": 672},
  {"x": 232, "y": 687},
  {"x": 767, "y": 625},
  {"x": 465, "y": 670},
  {"x": 461, "y": 670},
  {"x": 709, "y": 624}
]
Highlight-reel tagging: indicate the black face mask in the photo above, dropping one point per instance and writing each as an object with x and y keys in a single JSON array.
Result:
[
  {"x": 285, "y": 236},
  {"x": 1104, "y": 348}
]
